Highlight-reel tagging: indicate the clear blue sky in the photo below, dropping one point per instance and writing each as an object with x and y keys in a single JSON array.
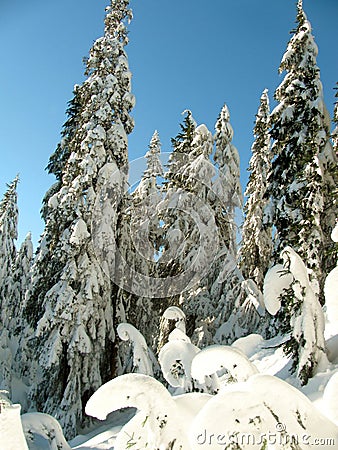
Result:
[{"x": 196, "y": 54}]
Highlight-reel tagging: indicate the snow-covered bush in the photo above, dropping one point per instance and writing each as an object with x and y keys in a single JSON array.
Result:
[{"x": 157, "y": 422}]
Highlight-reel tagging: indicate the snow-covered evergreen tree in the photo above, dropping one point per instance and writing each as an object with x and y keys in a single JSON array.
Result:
[
  {"x": 256, "y": 247},
  {"x": 12, "y": 313},
  {"x": 227, "y": 185},
  {"x": 231, "y": 301},
  {"x": 8, "y": 236},
  {"x": 303, "y": 166},
  {"x": 139, "y": 239},
  {"x": 226, "y": 196},
  {"x": 306, "y": 343},
  {"x": 174, "y": 223},
  {"x": 74, "y": 345},
  {"x": 191, "y": 239},
  {"x": 20, "y": 281}
]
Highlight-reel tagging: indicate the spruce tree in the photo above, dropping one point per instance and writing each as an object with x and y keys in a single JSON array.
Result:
[
  {"x": 256, "y": 247},
  {"x": 75, "y": 345},
  {"x": 303, "y": 162}
]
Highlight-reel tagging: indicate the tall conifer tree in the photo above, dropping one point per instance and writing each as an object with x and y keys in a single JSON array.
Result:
[
  {"x": 303, "y": 160},
  {"x": 74, "y": 320},
  {"x": 8, "y": 236},
  {"x": 256, "y": 248}
]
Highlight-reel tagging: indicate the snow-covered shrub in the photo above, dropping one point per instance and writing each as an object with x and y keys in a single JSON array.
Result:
[
  {"x": 157, "y": 423},
  {"x": 141, "y": 361},
  {"x": 175, "y": 359},
  {"x": 217, "y": 365},
  {"x": 43, "y": 431}
]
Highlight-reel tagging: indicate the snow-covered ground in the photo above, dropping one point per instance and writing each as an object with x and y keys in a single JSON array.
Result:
[{"x": 263, "y": 402}]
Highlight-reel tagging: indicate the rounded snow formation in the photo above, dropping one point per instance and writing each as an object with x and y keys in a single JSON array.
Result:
[
  {"x": 217, "y": 358},
  {"x": 334, "y": 234},
  {"x": 275, "y": 281},
  {"x": 141, "y": 358},
  {"x": 174, "y": 313},
  {"x": 331, "y": 303},
  {"x": 264, "y": 412},
  {"x": 249, "y": 345},
  {"x": 43, "y": 431},
  {"x": 158, "y": 422},
  {"x": 11, "y": 432},
  {"x": 227, "y": 419},
  {"x": 330, "y": 398},
  {"x": 175, "y": 359}
]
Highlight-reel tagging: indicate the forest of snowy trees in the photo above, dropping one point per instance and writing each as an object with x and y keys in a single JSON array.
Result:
[{"x": 169, "y": 255}]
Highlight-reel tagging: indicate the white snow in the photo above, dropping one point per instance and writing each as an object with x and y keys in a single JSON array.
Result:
[
  {"x": 80, "y": 232},
  {"x": 11, "y": 432},
  {"x": 331, "y": 302},
  {"x": 216, "y": 358},
  {"x": 334, "y": 234},
  {"x": 275, "y": 281},
  {"x": 43, "y": 431}
]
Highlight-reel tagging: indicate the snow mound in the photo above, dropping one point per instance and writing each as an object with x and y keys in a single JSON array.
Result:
[
  {"x": 222, "y": 358},
  {"x": 175, "y": 359},
  {"x": 275, "y": 281},
  {"x": 249, "y": 345},
  {"x": 158, "y": 423},
  {"x": 330, "y": 398},
  {"x": 264, "y": 412},
  {"x": 43, "y": 431},
  {"x": 11, "y": 432},
  {"x": 331, "y": 301}
]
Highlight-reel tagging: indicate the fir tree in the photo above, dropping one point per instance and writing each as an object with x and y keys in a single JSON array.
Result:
[
  {"x": 227, "y": 186},
  {"x": 181, "y": 145},
  {"x": 256, "y": 248},
  {"x": 301, "y": 175},
  {"x": 74, "y": 319}
]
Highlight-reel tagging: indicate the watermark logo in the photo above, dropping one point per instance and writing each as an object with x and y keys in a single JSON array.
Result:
[{"x": 279, "y": 438}]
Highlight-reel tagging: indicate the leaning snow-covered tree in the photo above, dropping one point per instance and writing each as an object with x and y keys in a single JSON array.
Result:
[
  {"x": 74, "y": 343},
  {"x": 256, "y": 246},
  {"x": 302, "y": 176}
]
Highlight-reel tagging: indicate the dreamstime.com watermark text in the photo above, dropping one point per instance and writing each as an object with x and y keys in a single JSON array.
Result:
[{"x": 279, "y": 437}]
